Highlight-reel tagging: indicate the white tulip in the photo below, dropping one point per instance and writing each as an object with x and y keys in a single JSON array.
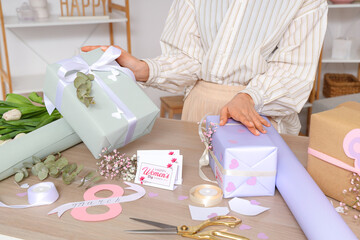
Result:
[
  {"x": 13, "y": 114},
  {"x": 19, "y": 135}
]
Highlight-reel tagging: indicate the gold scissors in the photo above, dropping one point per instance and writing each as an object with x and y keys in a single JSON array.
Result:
[{"x": 194, "y": 231}]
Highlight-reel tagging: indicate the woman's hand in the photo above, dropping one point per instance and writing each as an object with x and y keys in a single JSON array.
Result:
[
  {"x": 241, "y": 108},
  {"x": 138, "y": 67}
]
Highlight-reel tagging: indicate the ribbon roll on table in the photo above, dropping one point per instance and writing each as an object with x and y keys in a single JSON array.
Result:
[
  {"x": 44, "y": 193},
  {"x": 206, "y": 195}
]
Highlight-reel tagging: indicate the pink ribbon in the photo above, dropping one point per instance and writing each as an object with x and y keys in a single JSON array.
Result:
[{"x": 331, "y": 160}]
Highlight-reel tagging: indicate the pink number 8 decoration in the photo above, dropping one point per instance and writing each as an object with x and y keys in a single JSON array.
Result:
[
  {"x": 115, "y": 209},
  {"x": 351, "y": 146}
]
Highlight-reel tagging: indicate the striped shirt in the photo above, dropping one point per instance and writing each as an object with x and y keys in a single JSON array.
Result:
[{"x": 270, "y": 46}]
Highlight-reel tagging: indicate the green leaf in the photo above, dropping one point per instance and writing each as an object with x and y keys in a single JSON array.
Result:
[
  {"x": 27, "y": 165},
  {"x": 61, "y": 163},
  {"x": 43, "y": 174},
  {"x": 26, "y": 174},
  {"x": 16, "y": 98},
  {"x": 50, "y": 158},
  {"x": 19, "y": 176},
  {"x": 80, "y": 74},
  {"x": 36, "y": 159},
  {"x": 36, "y": 98},
  {"x": 54, "y": 172},
  {"x": 79, "y": 81},
  {"x": 46, "y": 121},
  {"x": 34, "y": 171},
  {"x": 88, "y": 101},
  {"x": 78, "y": 169},
  {"x": 96, "y": 179},
  {"x": 91, "y": 77}
]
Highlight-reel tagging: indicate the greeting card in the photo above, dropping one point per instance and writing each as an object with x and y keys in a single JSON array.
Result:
[
  {"x": 159, "y": 168},
  {"x": 169, "y": 157}
]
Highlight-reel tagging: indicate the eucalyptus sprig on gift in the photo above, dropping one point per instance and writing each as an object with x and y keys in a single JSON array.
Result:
[
  {"x": 83, "y": 85},
  {"x": 19, "y": 115}
]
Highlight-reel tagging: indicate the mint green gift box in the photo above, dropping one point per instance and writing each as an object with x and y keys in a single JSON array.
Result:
[
  {"x": 51, "y": 138},
  {"x": 101, "y": 125}
]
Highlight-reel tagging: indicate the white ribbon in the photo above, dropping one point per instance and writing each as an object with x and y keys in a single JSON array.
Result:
[
  {"x": 204, "y": 159},
  {"x": 140, "y": 191},
  {"x": 106, "y": 63},
  {"x": 44, "y": 193}
]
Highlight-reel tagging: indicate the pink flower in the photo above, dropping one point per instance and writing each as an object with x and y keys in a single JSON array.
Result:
[
  {"x": 169, "y": 165},
  {"x": 173, "y": 160},
  {"x": 171, "y": 153}
]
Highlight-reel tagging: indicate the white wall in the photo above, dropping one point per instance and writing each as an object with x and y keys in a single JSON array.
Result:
[
  {"x": 147, "y": 21},
  {"x": 56, "y": 43}
]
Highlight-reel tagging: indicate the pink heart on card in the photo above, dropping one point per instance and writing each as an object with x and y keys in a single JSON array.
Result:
[
  {"x": 23, "y": 194},
  {"x": 241, "y": 130},
  {"x": 262, "y": 236},
  {"x": 244, "y": 227},
  {"x": 182, "y": 198},
  {"x": 254, "y": 202},
  {"x": 230, "y": 187},
  {"x": 251, "y": 181},
  {"x": 233, "y": 141},
  {"x": 151, "y": 194},
  {"x": 234, "y": 164},
  {"x": 212, "y": 215}
]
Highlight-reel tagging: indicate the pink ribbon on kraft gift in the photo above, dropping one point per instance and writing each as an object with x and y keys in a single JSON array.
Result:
[
  {"x": 67, "y": 74},
  {"x": 351, "y": 145}
]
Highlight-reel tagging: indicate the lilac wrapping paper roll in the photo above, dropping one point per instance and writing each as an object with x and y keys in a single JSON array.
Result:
[{"x": 312, "y": 210}]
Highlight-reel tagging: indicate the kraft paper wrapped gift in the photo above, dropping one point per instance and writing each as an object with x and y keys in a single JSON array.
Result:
[
  {"x": 51, "y": 138},
  {"x": 334, "y": 150},
  {"x": 122, "y": 112},
  {"x": 244, "y": 164}
]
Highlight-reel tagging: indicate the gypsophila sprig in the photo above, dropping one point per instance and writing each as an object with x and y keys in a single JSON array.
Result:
[
  {"x": 208, "y": 132},
  {"x": 116, "y": 165},
  {"x": 353, "y": 193}
]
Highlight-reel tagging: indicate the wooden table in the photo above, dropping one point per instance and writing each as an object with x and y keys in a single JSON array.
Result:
[{"x": 34, "y": 223}]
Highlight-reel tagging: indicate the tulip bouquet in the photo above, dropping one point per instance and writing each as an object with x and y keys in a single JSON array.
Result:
[{"x": 19, "y": 115}]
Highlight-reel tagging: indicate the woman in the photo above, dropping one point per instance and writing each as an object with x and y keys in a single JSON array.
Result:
[{"x": 238, "y": 58}]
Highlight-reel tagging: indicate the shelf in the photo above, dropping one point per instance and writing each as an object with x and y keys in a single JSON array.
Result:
[
  {"x": 27, "y": 84},
  {"x": 13, "y": 22},
  {"x": 349, "y": 5},
  {"x": 354, "y": 58}
]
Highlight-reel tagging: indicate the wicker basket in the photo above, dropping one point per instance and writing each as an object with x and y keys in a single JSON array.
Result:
[{"x": 340, "y": 84}]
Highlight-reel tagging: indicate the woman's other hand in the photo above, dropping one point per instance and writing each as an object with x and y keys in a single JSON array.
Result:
[{"x": 138, "y": 67}]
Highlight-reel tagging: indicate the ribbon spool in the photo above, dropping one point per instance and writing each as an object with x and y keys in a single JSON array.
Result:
[
  {"x": 206, "y": 194},
  {"x": 42, "y": 193}
]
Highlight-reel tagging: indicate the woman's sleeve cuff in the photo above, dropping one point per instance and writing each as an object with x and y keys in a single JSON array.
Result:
[
  {"x": 154, "y": 71},
  {"x": 256, "y": 96}
]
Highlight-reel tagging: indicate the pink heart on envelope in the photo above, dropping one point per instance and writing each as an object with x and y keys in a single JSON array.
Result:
[
  {"x": 234, "y": 164},
  {"x": 251, "y": 181},
  {"x": 233, "y": 141},
  {"x": 230, "y": 187}
]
